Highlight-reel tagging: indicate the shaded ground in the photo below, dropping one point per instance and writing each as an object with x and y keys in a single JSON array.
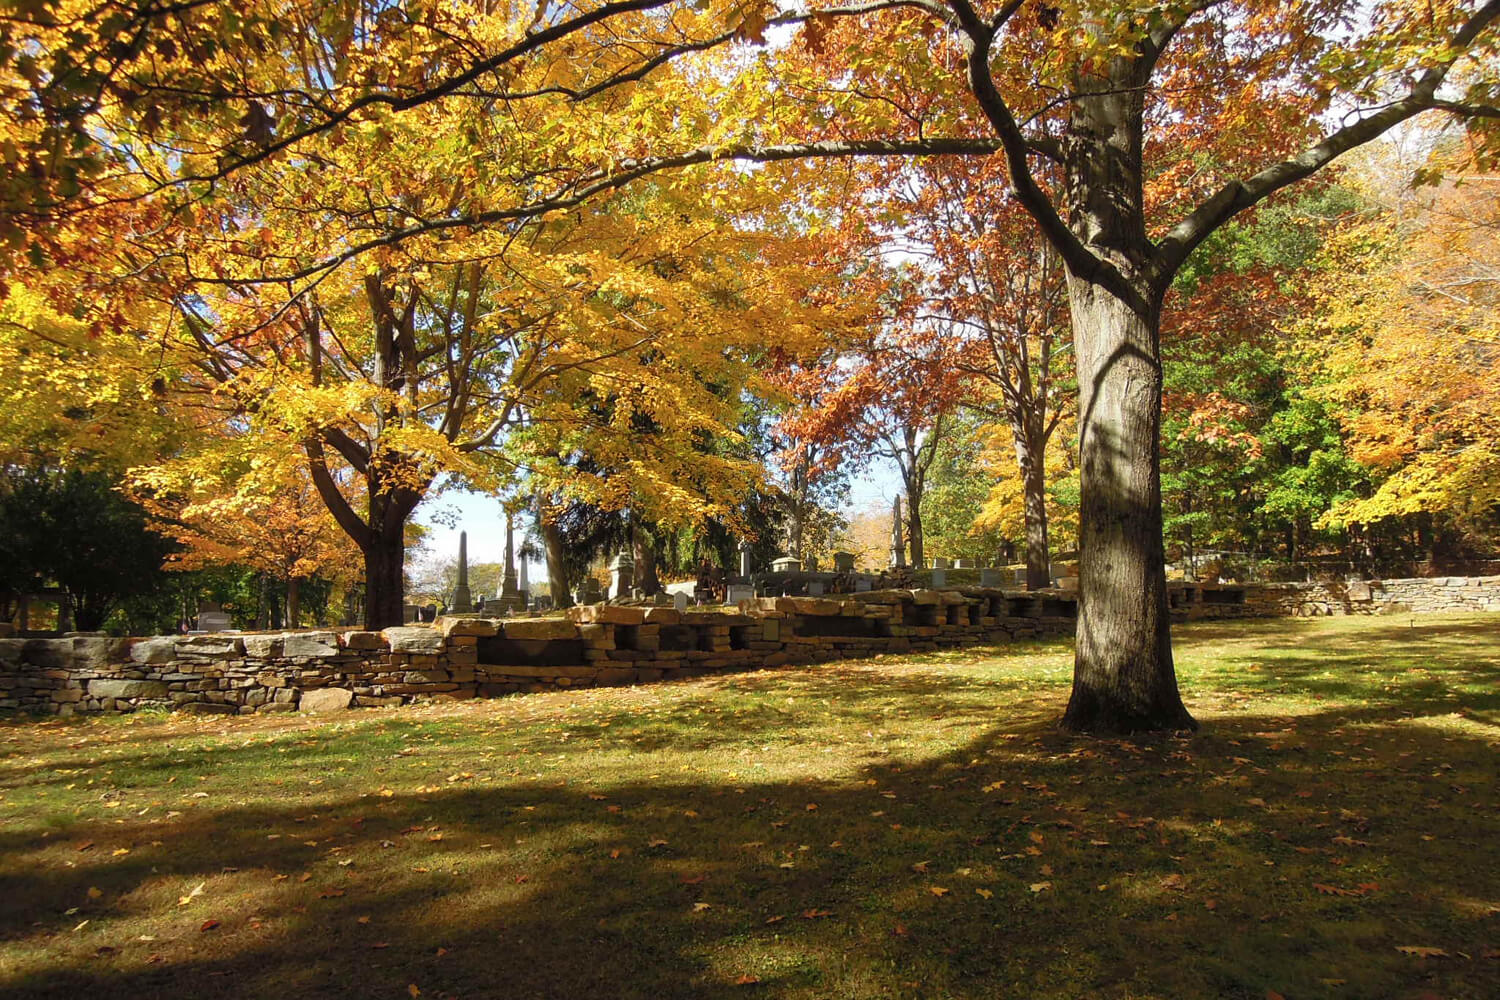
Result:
[{"x": 893, "y": 828}]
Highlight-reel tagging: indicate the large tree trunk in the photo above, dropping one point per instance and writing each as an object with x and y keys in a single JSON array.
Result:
[
  {"x": 1034, "y": 486},
  {"x": 557, "y": 567},
  {"x": 293, "y": 601},
  {"x": 643, "y": 551},
  {"x": 914, "y": 525},
  {"x": 385, "y": 557},
  {"x": 1123, "y": 678}
]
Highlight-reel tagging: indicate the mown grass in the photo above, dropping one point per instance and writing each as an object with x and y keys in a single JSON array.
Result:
[{"x": 892, "y": 828}]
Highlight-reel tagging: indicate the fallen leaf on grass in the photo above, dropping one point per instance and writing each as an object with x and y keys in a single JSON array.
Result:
[
  {"x": 937, "y": 890},
  {"x": 656, "y": 843},
  {"x": 185, "y": 900},
  {"x": 208, "y": 925},
  {"x": 95, "y": 892},
  {"x": 1334, "y": 890},
  {"x": 814, "y": 914},
  {"x": 85, "y": 845},
  {"x": 700, "y": 907},
  {"x": 1173, "y": 882},
  {"x": 920, "y": 867},
  {"x": 378, "y": 945},
  {"x": 1418, "y": 951},
  {"x": 412, "y": 989},
  {"x": 983, "y": 893},
  {"x": 330, "y": 893},
  {"x": 747, "y": 980},
  {"x": 776, "y": 919},
  {"x": 1040, "y": 886}
]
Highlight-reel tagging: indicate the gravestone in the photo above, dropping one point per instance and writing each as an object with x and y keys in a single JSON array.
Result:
[
  {"x": 843, "y": 562},
  {"x": 939, "y": 572},
  {"x": 898, "y": 543},
  {"x": 814, "y": 588},
  {"x": 679, "y": 600},
  {"x": 737, "y": 592},
  {"x": 211, "y": 618},
  {"x": 963, "y": 564},
  {"x": 621, "y": 574},
  {"x": 744, "y": 560},
  {"x": 786, "y": 564},
  {"x": 992, "y": 578},
  {"x": 462, "y": 603}
]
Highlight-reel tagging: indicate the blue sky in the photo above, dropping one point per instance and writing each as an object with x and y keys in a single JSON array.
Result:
[{"x": 481, "y": 516}]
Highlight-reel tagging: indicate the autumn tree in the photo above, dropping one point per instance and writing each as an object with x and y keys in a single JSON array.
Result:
[
  {"x": 1409, "y": 353},
  {"x": 995, "y": 290},
  {"x": 1092, "y": 90}
]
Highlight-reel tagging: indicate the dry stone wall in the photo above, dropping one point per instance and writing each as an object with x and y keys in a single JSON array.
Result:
[
  {"x": 599, "y": 645},
  {"x": 1417, "y": 595}
]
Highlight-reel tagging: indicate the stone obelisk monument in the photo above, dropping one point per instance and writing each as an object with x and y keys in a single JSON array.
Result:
[
  {"x": 463, "y": 601},
  {"x": 509, "y": 594}
]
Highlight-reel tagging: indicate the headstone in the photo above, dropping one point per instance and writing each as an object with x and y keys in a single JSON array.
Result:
[
  {"x": 211, "y": 618},
  {"x": 408, "y": 613},
  {"x": 588, "y": 591},
  {"x": 737, "y": 592},
  {"x": 963, "y": 564},
  {"x": 508, "y": 588},
  {"x": 862, "y": 584},
  {"x": 744, "y": 560},
  {"x": 679, "y": 600},
  {"x": 814, "y": 588},
  {"x": 523, "y": 586},
  {"x": 992, "y": 578},
  {"x": 938, "y": 562},
  {"x": 786, "y": 564},
  {"x": 843, "y": 562},
  {"x": 621, "y": 574},
  {"x": 462, "y": 602},
  {"x": 898, "y": 543},
  {"x": 939, "y": 577},
  {"x": 811, "y": 562}
]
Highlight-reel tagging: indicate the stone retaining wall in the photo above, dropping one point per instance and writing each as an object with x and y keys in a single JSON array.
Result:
[
  {"x": 1418, "y": 595},
  {"x": 229, "y": 673}
]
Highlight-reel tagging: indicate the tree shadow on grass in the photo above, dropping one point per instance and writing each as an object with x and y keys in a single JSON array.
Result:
[{"x": 1208, "y": 852}]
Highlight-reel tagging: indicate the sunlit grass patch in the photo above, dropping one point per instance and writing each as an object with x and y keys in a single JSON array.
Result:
[{"x": 889, "y": 828}]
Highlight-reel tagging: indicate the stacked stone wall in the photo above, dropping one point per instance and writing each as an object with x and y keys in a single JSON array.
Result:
[
  {"x": 603, "y": 645},
  {"x": 1416, "y": 595}
]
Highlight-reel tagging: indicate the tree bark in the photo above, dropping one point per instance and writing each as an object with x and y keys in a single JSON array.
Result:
[
  {"x": 557, "y": 566},
  {"x": 1031, "y": 456},
  {"x": 914, "y": 545},
  {"x": 643, "y": 551},
  {"x": 1123, "y": 678},
  {"x": 385, "y": 558},
  {"x": 293, "y": 601}
]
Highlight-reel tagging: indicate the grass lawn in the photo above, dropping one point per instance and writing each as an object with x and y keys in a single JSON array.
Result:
[{"x": 891, "y": 828}]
